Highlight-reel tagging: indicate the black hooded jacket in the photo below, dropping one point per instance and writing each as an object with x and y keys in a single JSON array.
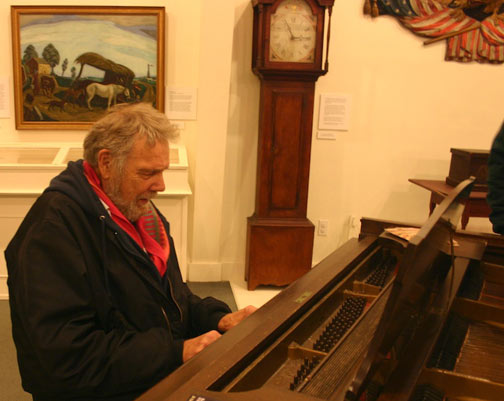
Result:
[
  {"x": 91, "y": 317},
  {"x": 495, "y": 196}
]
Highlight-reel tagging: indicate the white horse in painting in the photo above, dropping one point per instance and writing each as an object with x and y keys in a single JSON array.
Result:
[{"x": 108, "y": 92}]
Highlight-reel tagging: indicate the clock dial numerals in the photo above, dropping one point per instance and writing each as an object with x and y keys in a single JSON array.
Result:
[{"x": 293, "y": 33}]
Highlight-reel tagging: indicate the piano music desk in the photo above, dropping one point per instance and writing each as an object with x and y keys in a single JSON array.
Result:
[{"x": 476, "y": 206}]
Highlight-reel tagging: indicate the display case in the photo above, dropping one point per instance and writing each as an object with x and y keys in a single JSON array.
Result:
[{"x": 27, "y": 168}]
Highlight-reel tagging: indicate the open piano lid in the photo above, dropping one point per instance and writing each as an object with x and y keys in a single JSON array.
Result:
[{"x": 420, "y": 300}]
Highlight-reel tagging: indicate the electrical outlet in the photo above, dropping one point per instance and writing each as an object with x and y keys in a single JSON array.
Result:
[{"x": 323, "y": 227}]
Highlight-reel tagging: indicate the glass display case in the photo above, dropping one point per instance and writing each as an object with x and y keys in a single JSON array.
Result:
[{"x": 27, "y": 168}]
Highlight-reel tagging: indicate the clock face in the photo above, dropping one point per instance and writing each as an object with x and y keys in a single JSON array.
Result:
[{"x": 293, "y": 33}]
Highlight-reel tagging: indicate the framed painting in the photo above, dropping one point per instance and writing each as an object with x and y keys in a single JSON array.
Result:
[{"x": 71, "y": 64}]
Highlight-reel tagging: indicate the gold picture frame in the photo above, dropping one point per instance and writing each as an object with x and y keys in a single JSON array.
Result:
[{"x": 71, "y": 63}]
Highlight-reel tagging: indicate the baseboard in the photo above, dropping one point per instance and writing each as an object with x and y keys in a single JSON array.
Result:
[
  {"x": 224, "y": 271},
  {"x": 233, "y": 270}
]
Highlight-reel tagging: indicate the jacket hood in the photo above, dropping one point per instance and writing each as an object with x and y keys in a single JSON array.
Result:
[{"x": 73, "y": 183}]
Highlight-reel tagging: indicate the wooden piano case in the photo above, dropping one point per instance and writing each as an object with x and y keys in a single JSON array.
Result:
[{"x": 370, "y": 322}]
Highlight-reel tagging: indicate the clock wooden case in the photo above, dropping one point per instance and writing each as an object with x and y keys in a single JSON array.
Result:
[{"x": 287, "y": 53}]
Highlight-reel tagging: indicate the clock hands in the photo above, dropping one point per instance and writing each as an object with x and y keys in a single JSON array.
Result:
[{"x": 292, "y": 37}]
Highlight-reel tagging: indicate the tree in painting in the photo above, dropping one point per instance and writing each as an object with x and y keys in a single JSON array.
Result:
[
  {"x": 64, "y": 66},
  {"x": 51, "y": 55},
  {"x": 29, "y": 53}
]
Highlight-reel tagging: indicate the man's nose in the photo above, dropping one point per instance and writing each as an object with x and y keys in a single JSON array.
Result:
[{"x": 158, "y": 184}]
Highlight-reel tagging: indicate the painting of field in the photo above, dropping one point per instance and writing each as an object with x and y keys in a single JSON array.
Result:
[{"x": 73, "y": 66}]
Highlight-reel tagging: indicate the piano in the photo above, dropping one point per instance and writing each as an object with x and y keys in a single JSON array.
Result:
[{"x": 400, "y": 313}]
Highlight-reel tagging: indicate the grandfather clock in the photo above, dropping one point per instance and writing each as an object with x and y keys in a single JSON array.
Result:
[{"x": 288, "y": 44}]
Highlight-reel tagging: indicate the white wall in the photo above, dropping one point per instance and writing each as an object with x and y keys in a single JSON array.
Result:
[
  {"x": 409, "y": 107},
  {"x": 216, "y": 39}
]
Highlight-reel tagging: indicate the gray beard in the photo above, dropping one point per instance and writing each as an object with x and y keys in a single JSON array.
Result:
[{"x": 130, "y": 210}]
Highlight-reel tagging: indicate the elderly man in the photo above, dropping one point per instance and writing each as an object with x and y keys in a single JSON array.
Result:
[{"x": 99, "y": 309}]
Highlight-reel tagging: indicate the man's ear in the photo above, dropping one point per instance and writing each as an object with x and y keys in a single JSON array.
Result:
[{"x": 104, "y": 164}]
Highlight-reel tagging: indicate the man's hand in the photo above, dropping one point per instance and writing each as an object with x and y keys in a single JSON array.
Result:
[
  {"x": 196, "y": 344},
  {"x": 232, "y": 319}
]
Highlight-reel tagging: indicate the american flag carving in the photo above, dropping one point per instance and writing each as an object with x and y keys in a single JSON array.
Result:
[{"x": 473, "y": 29}]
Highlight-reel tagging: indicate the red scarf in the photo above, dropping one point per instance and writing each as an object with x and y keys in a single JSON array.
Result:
[{"x": 148, "y": 231}]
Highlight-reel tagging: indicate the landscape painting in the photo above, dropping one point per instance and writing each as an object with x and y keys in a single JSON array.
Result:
[{"x": 71, "y": 64}]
